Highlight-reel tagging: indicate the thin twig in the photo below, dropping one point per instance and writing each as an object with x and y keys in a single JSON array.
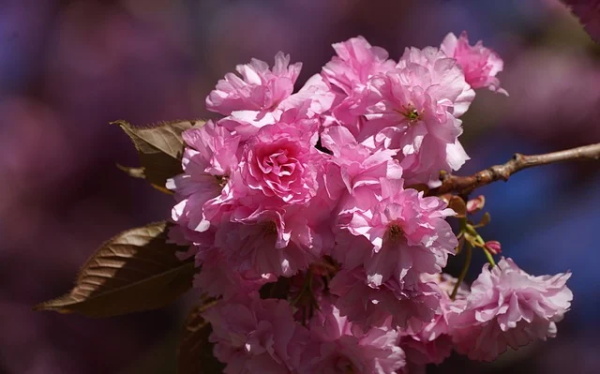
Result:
[{"x": 465, "y": 185}]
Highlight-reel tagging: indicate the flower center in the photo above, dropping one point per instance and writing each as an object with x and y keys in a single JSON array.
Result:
[
  {"x": 221, "y": 180},
  {"x": 345, "y": 366},
  {"x": 394, "y": 232},
  {"x": 410, "y": 113}
]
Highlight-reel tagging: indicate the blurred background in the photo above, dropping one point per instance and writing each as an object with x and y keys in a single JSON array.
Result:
[{"x": 68, "y": 68}]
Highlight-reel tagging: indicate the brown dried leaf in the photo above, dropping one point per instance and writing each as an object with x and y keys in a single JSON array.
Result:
[
  {"x": 134, "y": 271},
  {"x": 485, "y": 220},
  {"x": 160, "y": 148},
  {"x": 458, "y": 205},
  {"x": 195, "y": 351}
]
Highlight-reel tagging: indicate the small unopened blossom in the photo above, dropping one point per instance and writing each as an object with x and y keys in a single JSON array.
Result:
[
  {"x": 476, "y": 204},
  {"x": 479, "y": 63},
  {"x": 493, "y": 246},
  {"x": 508, "y": 307}
]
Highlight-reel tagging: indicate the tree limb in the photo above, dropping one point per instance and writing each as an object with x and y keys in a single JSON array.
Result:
[{"x": 465, "y": 185}]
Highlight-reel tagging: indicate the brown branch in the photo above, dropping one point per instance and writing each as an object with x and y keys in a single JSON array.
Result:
[{"x": 465, "y": 185}]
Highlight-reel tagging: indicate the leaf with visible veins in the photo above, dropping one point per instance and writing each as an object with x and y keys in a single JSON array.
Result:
[
  {"x": 160, "y": 148},
  {"x": 134, "y": 271}
]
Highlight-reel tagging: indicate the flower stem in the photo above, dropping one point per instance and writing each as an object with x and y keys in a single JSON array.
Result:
[
  {"x": 489, "y": 257},
  {"x": 463, "y": 272}
]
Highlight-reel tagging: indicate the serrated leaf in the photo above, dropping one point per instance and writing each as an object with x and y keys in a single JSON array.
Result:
[
  {"x": 134, "y": 271},
  {"x": 195, "y": 351},
  {"x": 160, "y": 148}
]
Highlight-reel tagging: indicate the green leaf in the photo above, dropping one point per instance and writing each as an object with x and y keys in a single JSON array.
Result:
[
  {"x": 160, "y": 148},
  {"x": 134, "y": 271},
  {"x": 195, "y": 351}
]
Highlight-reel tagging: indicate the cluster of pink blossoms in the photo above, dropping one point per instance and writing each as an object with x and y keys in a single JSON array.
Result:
[{"x": 305, "y": 228}]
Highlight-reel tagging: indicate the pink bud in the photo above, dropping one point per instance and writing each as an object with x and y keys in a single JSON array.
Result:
[
  {"x": 493, "y": 246},
  {"x": 476, "y": 204}
]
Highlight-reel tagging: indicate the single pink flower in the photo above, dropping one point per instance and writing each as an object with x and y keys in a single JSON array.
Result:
[
  {"x": 432, "y": 343},
  {"x": 408, "y": 234},
  {"x": 260, "y": 243},
  {"x": 413, "y": 121},
  {"x": 358, "y": 165},
  {"x": 210, "y": 156},
  {"x": 273, "y": 215},
  {"x": 256, "y": 336},
  {"x": 259, "y": 88},
  {"x": 508, "y": 307},
  {"x": 368, "y": 305},
  {"x": 282, "y": 161},
  {"x": 479, "y": 63},
  {"x": 338, "y": 346},
  {"x": 219, "y": 278},
  {"x": 440, "y": 75},
  {"x": 355, "y": 63},
  {"x": 348, "y": 75}
]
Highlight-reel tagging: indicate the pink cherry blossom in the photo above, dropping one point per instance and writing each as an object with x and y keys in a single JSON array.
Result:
[
  {"x": 407, "y": 232},
  {"x": 369, "y": 305},
  {"x": 338, "y": 346},
  {"x": 310, "y": 193},
  {"x": 348, "y": 74},
  {"x": 259, "y": 89},
  {"x": 358, "y": 165},
  {"x": 423, "y": 131},
  {"x": 355, "y": 63},
  {"x": 314, "y": 98},
  {"x": 479, "y": 63},
  {"x": 440, "y": 75},
  {"x": 217, "y": 277},
  {"x": 432, "y": 342},
  {"x": 273, "y": 215},
  {"x": 282, "y": 161},
  {"x": 255, "y": 336},
  {"x": 414, "y": 108},
  {"x": 261, "y": 243},
  {"x": 508, "y": 307},
  {"x": 209, "y": 158}
]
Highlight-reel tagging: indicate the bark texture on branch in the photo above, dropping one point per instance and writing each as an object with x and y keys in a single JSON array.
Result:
[{"x": 465, "y": 185}]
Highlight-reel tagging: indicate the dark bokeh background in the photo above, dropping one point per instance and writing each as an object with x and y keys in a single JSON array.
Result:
[{"x": 67, "y": 68}]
